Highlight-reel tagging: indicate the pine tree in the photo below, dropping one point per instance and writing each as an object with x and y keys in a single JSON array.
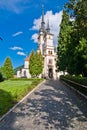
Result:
[{"x": 8, "y": 69}]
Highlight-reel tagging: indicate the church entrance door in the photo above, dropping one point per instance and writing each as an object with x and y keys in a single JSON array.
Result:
[
  {"x": 50, "y": 73},
  {"x": 24, "y": 74}
]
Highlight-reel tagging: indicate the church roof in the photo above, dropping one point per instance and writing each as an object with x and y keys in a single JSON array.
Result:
[{"x": 27, "y": 59}]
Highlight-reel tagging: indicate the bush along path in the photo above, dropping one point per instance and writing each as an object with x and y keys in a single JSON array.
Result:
[{"x": 78, "y": 83}]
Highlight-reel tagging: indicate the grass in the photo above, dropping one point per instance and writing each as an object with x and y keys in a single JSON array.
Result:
[{"x": 12, "y": 91}]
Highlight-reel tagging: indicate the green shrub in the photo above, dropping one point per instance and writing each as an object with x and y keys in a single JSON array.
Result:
[
  {"x": 80, "y": 80},
  {"x": 77, "y": 79},
  {"x": 1, "y": 77}
]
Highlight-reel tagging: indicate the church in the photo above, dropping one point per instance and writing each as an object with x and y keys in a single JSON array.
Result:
[{"x": 48, "y": 51}]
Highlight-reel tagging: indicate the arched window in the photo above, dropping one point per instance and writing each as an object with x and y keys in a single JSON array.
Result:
[
  {"x": 50, "y": 52},
  {"x": 50, "y": 61},
  {"x": 25, "y": 74}
]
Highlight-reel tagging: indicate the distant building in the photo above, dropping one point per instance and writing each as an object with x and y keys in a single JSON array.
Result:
[
  {"x": 48, "y": 51},
  {"x": 24, "y": 72}
]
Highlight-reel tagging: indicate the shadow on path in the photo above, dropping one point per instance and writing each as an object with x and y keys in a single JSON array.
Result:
[{"x": 53, "y": 106}]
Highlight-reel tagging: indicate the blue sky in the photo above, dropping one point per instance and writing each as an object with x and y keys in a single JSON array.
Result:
[{"x": 19, "y": 24}]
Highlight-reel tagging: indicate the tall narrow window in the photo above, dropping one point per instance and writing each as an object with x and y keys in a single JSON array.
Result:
[
  {"x": 50, "y": 52},
  {"x": 50, "y": 61}
]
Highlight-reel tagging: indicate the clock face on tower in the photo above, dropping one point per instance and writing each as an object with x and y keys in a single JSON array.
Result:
[{"x": 49, "y": 37}]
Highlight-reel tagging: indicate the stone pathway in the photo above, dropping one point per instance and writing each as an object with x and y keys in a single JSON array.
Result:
[{"x": 52, "y": 106}]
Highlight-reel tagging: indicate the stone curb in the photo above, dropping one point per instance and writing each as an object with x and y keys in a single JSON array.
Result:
[
  {"x": 21, "y": 100},
  {"x": 75, "y": 90}
]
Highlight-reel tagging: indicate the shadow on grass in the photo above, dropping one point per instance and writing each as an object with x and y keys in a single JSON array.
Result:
[
  {"x": 54, "y": 107},
  {"x": 6, "y": 101}
]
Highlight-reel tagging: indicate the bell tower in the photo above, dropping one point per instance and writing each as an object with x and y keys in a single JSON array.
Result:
[
  {"x": 41, "y": 33},
  {"x": 46, "y": 47}
]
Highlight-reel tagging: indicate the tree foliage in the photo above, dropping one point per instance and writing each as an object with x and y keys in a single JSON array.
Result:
[
  {"x": 35, "y": 63},
  {"x": 64, "y": 38},
  {"x": 8, "y": 69},
  {"x": 1, "y": 76},
  {"x": 72, "y": 48}
]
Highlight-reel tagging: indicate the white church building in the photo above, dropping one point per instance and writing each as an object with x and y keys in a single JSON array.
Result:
[{"x": 48, "y": 51}]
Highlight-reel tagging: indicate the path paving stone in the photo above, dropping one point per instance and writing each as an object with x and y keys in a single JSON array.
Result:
[{"x": 53, "y": 106}]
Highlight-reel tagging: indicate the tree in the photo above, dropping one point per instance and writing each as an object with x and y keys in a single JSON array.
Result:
[
  {"x": 35, "y": 63},
  {"x": 63, "y": 40},
  {"x": 80, "y": 37},
  {"x": 8, "y": 69},
  {"x": 81, "y": 27},
  {"x": 72, "y": 52}
]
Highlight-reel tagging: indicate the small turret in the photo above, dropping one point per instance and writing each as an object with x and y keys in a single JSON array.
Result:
[{"x": 48, "y": 28}]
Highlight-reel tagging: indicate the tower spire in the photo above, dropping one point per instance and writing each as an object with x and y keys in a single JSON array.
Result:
[
  {"x": 42, "y": 13},
  {"x": 42, "y": 20}
]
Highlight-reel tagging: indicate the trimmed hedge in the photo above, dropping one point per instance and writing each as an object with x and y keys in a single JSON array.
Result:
[
  {"x": 79, "y": 80},
  {"x": 26, "y": 79}
]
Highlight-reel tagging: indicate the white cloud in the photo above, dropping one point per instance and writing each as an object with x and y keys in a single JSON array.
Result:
[
  {"x": 34, "y": 37},
  {"x": 10, "y": 5},
  {"x": 17, "y": 33},
  {"x": 21, "y": 53},
  {"x": 16, "y": 48},
  {"x": 54, "y": 21},
  {"x": 16, "y": 6}
]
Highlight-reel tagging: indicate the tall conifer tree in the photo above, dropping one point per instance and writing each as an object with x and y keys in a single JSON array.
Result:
[{"x": 8, "y": 69}]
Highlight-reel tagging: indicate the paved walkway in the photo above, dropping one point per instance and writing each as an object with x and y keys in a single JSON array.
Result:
[{"x": 52, "y": 106}]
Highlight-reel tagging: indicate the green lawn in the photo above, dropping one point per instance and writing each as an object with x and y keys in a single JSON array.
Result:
[{"x": 11, "y": 91}]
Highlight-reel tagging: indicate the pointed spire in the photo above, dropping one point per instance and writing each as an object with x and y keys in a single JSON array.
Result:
[
  {"x": 48, "y": 27},
  {"x": 43, "y": 13},
  {"x": 42, "y": 22}
]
